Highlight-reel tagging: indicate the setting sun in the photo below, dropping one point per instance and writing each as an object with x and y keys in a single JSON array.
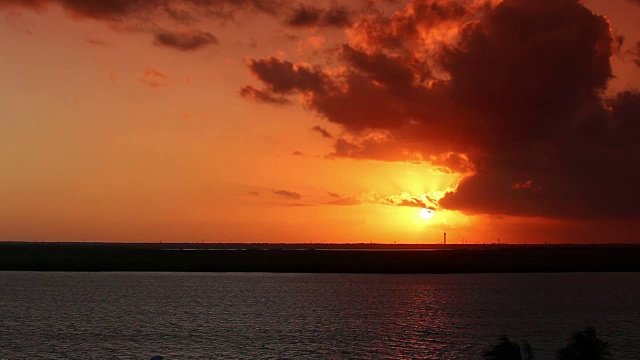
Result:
[{"x": 427, "y": 213}]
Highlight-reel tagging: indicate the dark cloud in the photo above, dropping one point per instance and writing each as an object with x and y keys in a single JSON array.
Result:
[
  {"x": 147, "y": 15},
  {"x": 580, "y": 177},
  {"x": 489, "y": 88},
  {"x": 625, "y": 116},
  {"x": 305, "y": 16},
  {"x": 184, "y": 10},
  {"x": 405, "y": 30},
  {"x": 309, "y": 15},
  {"x": 567, "y": 150},
  {"x": 322, "y": 131},
  {"x": 515, "y": 101},
  {"x": 97, "y": 9},
  {"x": 392, "y": 71},
  {"x": 337, "y": 16},
  {"x": 260, "y": 96},
  {"x": 287, "y": 194},
  {"x": 254, "y": 193},
  {"x": 297, "y": 153},
  {"x": 186, "y": 41},
  {"x": 284, "y": 77},
  {"x": 107, "y": 9},
  {"x": 332, "y": 194},
  {"x": 373, "y": 146},
  {"x": 528, "y": 71},
  {"x": 453, "y": 163}
]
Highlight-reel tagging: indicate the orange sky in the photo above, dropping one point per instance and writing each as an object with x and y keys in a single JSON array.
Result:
[{"x": 107, "y": 136}]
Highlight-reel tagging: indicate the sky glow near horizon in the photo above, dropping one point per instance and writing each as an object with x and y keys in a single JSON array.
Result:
[{"x": 282, "y": 121}]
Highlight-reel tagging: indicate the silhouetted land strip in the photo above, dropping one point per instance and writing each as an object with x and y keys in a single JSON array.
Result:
[{"x": 285, "y": 258}]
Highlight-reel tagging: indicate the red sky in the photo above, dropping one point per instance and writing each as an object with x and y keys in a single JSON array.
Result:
[{"x": 286, "y": 121}]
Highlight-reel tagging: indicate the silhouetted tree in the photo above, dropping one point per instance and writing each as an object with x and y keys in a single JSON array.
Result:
[
  {"x": 508, "y": 350},
  {"x": 585, "y": 345}
]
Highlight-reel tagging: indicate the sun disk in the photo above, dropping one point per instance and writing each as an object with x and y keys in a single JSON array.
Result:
[{"x": 427, "y": 213}]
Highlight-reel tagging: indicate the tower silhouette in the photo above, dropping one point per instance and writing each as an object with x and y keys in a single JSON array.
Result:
[{"x": 445, "y": 239}]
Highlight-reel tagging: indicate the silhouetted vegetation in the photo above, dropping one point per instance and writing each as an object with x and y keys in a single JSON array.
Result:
[
  {"x": 508, "y": 350},
  {"x": 583, "y": 345}
]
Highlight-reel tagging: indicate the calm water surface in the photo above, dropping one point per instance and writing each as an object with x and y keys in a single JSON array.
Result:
[{"x": 307, "y": 316}]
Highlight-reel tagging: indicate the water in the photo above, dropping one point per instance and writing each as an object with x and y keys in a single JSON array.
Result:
[{"x": 308, "y": 316}]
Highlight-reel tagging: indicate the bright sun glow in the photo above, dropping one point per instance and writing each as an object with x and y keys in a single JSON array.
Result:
[{"x": 427, "y": 213}]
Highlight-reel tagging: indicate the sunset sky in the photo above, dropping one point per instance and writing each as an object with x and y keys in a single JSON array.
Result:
[{"x": 325, "y": 121}]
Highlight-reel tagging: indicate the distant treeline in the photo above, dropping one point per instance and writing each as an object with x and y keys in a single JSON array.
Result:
[{"x": 154, "y": 257}]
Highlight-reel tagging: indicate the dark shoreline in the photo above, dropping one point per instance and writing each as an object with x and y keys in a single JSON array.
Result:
[{"x": 318, "y": 258}]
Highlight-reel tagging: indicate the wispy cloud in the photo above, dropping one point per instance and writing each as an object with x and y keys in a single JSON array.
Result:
[
  {"x": 322, "y": 131},
  {"x": 155, "y": 78},
  {"x": 287, "y": 194}
]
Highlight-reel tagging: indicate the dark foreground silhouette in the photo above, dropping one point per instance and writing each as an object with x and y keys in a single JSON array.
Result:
[
  {"x": 583, "y": 345},
  {"x": 297, "y": 258}
]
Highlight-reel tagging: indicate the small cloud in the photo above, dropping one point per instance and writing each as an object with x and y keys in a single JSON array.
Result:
[
  {"x": 527, "y": 185},
  {"x": 305, "y": 16},
  {"x": 155, "y": 78},
  {"x": 297, "y": 153},
  {"x": 309, "y": 16},
  {"x": 286, "y": 78},
  {"x": 287, "y": 194},
  {"x": 185, "y": 41},
  {"x": 404, "y": 199},
  {"x": 346, "y": 201},
  {"x": 372, "y": 197},
  {"x": 254, "y": 193},
  {"x": 322, "y": 131},
  {"x": 259, "y": 96},
  {"x": 337, "y": 16},
  {"x": 289, "y": 37}
]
